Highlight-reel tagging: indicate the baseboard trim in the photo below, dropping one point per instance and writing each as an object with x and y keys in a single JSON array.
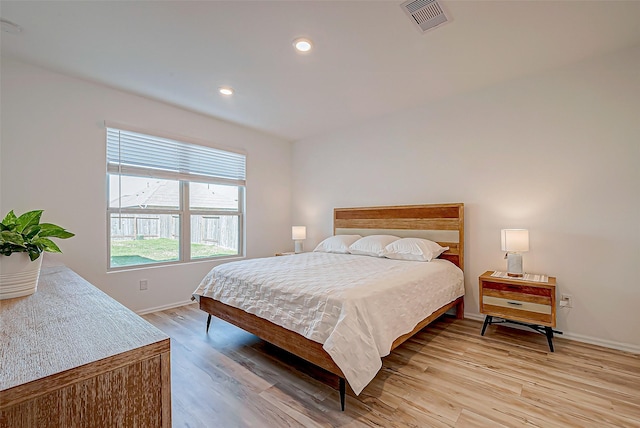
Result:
[
  {"x": 477, "y": 317},
  {"x": 620, "y": 346},
  {"x": 164, "y": 307}
]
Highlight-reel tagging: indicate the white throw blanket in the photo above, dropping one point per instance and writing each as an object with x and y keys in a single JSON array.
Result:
[{"x": 356, "y": 306}]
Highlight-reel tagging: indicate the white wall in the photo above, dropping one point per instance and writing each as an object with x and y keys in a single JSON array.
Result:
[
  {"x": 557, "y": 153},
  {"x": 53, "y": 158}
]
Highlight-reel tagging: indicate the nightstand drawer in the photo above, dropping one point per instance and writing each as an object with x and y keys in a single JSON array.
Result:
[
  {"x": 517, "y": 304},
  {"x": 516, "y": 288},
  {"x": 541, "y": 298}
]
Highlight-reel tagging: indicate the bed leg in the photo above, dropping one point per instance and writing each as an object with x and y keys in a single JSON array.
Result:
[
  {"x": 460, "y": 310},
  {"x": 343, "y": 390},
  {"x": 208, "y": 322}
]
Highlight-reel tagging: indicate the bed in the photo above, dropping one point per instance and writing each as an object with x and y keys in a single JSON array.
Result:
[{"x": 383, "y": 301}]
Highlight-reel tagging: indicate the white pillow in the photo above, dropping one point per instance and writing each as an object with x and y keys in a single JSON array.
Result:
[
  {"x": 337, "y": 244},
  {"x": 372, "y": 245},
  {"x": 416, "y": 249}
]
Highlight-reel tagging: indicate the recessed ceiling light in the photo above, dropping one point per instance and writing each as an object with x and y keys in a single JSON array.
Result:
[
  {"x": 9, "y": 27},
  {"x": 226, "y": 90},
  {"x": 302, "y": 45}
]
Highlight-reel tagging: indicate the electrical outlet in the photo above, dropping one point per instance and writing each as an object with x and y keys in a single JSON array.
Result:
[
  {"x": 566, "y": 301},
  {"x": 143, "y": 284}
]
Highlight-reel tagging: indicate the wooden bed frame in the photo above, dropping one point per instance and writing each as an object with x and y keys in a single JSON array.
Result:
[{"x": 443, "y": 223}]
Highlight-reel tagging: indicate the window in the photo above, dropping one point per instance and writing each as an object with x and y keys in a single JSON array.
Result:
[{"x": 170, "y": 201}]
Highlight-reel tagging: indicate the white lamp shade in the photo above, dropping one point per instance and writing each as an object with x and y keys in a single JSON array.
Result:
[
  {"x": 298, "y": 233},
  {"x": 516, "y": 240}
]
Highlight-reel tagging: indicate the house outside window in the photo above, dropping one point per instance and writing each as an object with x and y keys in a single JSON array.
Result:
[{"x": 171, "y": 201}]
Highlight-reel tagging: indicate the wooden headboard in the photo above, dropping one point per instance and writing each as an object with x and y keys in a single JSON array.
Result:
[{"x": 442, "y": 223}]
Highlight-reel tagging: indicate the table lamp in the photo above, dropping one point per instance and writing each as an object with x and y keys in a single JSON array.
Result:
[
  {"x": 514, "y": 242},
  {"x": 298, "y": 234}
]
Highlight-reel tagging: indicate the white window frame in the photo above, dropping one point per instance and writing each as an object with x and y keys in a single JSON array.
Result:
[{"x": 184, "y": 212}]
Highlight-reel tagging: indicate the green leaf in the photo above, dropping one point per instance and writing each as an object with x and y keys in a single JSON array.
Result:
[
  {"x": 33, "y": 255},
  {"x": 28, "y": 219},
  {"x": 8, "y": 249},
  {"x": 10, "y": 220},
  {"x": 31, "y": 231},
  {"x": 51, "y": 230},
  {"x": 11, "y": 238},
  {"x": 47, "y": 245}
]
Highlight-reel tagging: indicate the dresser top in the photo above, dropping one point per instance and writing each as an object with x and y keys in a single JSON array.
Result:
[{"x": 67, "y": 323}]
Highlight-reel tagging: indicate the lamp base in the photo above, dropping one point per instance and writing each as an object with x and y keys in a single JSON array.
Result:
[
  {"x": 298, "y": 247},
  {"x": 514, "y": 265}
]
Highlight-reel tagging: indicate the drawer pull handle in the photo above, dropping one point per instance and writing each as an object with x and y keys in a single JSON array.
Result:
[{"x": 515, "y": 303}]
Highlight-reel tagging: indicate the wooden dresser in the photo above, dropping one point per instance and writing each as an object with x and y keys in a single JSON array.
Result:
[{"x": 71, "y": 356}]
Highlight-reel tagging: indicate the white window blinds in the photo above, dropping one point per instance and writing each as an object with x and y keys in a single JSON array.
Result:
[{"x": 140, "y": 154}]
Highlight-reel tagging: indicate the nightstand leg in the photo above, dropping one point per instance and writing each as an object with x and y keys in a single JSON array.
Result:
[
  {"x": 487, "y": 321},
  {"x": 208, "y": 322},
  {"x": 549, "y": 332}
]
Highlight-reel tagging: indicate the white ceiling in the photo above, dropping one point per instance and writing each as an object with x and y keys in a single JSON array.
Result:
[{"x": 369, "y": 59}]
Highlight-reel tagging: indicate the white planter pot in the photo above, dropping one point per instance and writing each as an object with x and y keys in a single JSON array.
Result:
[{"x": 18, "y": 275}]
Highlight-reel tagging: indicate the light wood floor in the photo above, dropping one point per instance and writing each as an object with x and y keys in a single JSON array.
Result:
[{"x": 447, "y": 375}]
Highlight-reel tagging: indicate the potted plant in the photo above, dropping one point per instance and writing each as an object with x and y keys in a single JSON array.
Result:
[{"x": 22, "y": 240}]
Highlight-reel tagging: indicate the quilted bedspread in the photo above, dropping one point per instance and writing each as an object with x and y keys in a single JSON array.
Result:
[{"x": 356, "y": 306}]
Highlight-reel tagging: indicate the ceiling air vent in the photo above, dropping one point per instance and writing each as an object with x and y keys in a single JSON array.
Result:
[{"x": 427, "y": 14}]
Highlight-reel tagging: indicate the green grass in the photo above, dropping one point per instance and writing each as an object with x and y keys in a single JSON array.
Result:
[{"x": 157, "y": 250}]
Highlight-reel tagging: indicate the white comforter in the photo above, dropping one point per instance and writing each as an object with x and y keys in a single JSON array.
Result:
[{"x": 356, "y": 306}]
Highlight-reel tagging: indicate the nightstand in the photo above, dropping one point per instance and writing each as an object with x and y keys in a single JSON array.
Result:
[
  {"x": 519, "y": 301},
  {"x": 287, "y": 253}
]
